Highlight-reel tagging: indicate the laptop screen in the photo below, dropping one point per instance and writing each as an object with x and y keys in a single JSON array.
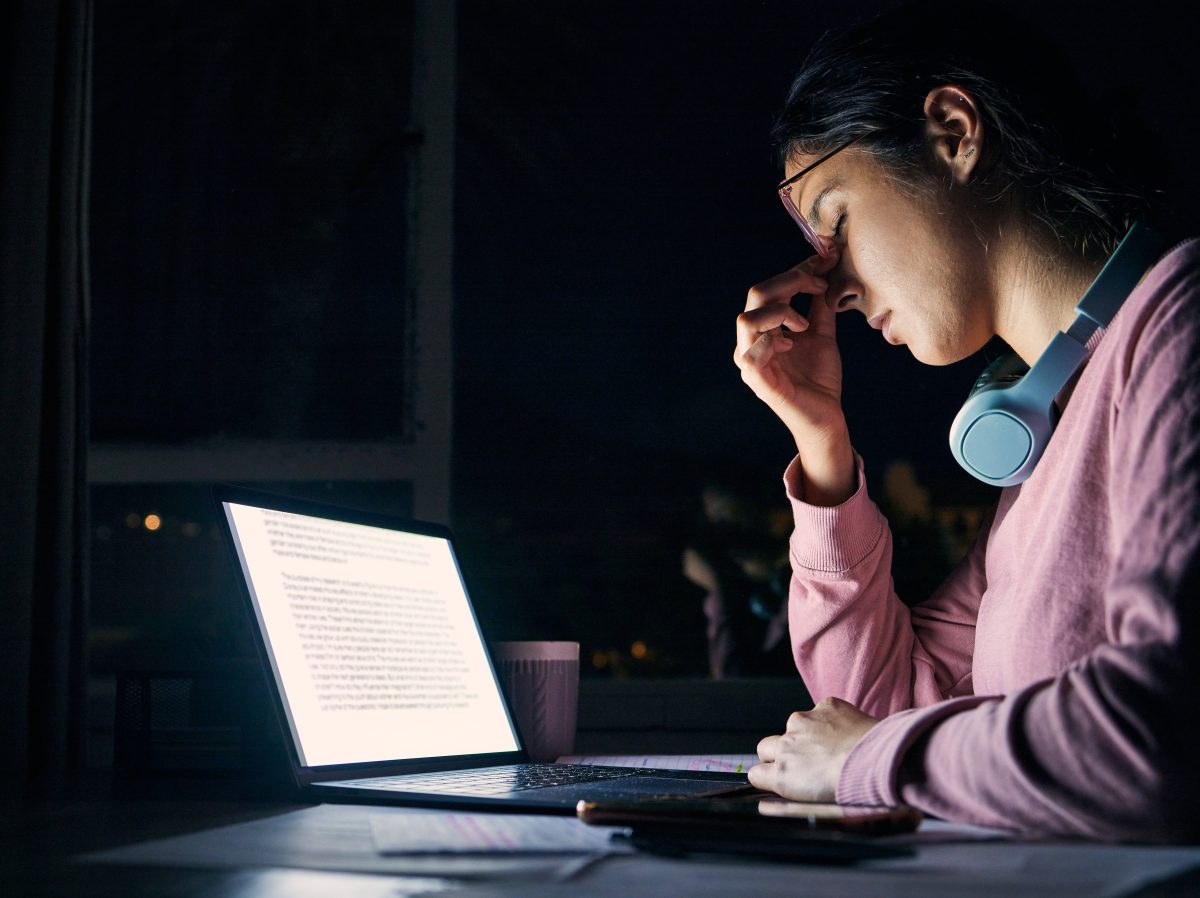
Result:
[{"x": 371, "y": 638}]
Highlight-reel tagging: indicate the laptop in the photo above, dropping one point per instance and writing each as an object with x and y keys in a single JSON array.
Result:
[{"x": 381, "y": 676}]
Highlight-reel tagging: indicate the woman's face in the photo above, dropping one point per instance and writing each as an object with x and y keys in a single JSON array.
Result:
[{"x": 910, "y": 261}]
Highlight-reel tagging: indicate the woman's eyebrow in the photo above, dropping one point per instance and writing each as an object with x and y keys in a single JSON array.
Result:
[{"x": 814, "y": 211}]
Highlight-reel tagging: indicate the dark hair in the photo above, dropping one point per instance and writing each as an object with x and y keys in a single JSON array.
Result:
[{"x": 1046, "y": 145}]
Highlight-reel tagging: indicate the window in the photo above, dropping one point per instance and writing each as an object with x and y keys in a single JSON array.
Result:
[{"x": 270, "y": 255}]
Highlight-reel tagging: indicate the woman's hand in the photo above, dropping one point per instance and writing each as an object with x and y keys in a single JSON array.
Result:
[
  {"x": 805, "y": 763},
  {"x": 793, "y": 365}
]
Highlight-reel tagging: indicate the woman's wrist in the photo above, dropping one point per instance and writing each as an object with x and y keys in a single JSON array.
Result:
[{"x": 828, "y": 473}]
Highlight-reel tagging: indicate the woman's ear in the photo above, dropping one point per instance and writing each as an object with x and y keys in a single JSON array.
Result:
[{"x": 954, "y": 130}]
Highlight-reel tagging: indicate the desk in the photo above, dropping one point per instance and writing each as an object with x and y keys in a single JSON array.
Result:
[{"x": 253, "y": 851}]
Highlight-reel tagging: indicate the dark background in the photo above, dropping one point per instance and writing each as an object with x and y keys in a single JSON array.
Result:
[{"x": 613, "y": 203}]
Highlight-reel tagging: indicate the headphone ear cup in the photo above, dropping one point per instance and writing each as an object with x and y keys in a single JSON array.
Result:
[
  {"x": 993, "y": 435},
  {"x": 990, "y": 439}
]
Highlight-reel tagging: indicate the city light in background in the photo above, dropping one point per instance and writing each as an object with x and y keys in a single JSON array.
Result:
[{"x": 152, "y": 522}]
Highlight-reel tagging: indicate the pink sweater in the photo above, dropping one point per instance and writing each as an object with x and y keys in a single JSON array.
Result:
[{"x": 1051, "y": 683}]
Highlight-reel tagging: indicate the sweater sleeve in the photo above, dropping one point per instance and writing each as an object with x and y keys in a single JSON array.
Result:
[
  {"x": 1106, "y": 748},
  {"x": 852, "y": 637}
]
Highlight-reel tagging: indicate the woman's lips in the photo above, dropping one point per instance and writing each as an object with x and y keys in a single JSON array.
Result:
[
  {"x": 883, "y": 323},
  {"x": 886, "y": 326}
]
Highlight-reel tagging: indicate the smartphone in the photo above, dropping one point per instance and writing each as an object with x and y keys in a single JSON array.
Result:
[{"x": 762, "y": 825}]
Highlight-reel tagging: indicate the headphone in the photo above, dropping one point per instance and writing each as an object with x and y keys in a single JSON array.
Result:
[{"x": 1003, "y": 428}]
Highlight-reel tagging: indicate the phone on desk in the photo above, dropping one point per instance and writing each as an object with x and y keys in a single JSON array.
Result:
[{"x": 761, "y": 825}]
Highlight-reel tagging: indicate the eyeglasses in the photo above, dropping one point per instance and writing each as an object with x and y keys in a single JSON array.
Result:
[{"x": 785, "y": 194}]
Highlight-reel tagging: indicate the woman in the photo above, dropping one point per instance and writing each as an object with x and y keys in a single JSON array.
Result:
[{"x": 953, "y": 196}]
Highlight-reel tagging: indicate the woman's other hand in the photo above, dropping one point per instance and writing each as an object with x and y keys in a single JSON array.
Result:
[{"x": 804, "y": 763}]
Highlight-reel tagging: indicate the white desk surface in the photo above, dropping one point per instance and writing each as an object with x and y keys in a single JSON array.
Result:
[{"x": 950, "y": 860}]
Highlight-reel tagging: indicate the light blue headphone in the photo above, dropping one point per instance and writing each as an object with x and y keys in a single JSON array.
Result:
[{"x": 1003, "y": 428}]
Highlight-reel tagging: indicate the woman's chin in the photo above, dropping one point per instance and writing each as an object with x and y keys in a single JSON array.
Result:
[{"x": 933, "y": 355}]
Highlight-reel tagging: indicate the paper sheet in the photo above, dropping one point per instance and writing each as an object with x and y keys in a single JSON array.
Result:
[
  {"x": 335, "y": 837},
  {"x": 455, "y": 833},
  {"x": 706, "y": 763}
]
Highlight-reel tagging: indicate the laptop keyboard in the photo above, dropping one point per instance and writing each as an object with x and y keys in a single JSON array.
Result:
[{"x": 497, "y": 780}]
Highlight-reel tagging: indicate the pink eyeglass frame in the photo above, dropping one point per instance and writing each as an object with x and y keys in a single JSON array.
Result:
[{"x": 785, "y": 194}]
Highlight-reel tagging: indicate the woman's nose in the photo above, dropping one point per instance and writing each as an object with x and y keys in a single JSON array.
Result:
[
  {"x": 843, "y": 295},
  {"x": 847, "y": 302}
]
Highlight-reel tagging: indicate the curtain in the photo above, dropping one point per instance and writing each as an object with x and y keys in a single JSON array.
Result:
[{"x": 44, "y": 124}]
